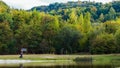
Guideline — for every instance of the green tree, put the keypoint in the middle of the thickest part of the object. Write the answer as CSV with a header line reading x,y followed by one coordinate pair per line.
x,y
86,29
29,36
68,39
103,43
117,40
111,14
86,25
50,27
111,26
6,17
73,17
6,36
80,19
19,17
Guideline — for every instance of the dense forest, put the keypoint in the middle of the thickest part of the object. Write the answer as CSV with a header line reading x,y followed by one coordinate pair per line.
x,y
61,28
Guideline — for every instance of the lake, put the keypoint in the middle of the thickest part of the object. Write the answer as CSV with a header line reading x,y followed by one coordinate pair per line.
x,y
64,64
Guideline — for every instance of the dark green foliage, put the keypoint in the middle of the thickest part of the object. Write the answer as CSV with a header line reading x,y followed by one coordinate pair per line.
x,y
68,40
116,5
5,37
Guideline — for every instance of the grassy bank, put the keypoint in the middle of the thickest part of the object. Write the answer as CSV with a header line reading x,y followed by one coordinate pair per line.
x,y
97,59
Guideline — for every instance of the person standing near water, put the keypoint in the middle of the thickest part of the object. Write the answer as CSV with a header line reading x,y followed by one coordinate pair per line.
x,y
22,50
21,54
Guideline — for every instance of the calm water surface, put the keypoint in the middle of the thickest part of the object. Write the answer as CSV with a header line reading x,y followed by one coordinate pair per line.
x,y
60,65
63,66
69,66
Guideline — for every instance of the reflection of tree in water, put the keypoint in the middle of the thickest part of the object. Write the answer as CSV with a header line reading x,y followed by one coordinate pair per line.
x,y
115,63
81,62
87,61
21,66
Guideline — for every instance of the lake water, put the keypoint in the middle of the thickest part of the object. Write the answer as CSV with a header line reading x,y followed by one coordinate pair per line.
x,y
60,65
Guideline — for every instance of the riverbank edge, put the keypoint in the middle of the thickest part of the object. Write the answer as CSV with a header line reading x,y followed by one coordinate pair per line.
x,y
96,59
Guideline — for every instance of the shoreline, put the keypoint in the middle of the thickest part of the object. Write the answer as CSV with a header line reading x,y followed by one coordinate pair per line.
x,y
97,59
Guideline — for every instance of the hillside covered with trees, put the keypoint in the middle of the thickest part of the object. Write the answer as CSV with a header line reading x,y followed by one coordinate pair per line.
x,y
61,28
99,12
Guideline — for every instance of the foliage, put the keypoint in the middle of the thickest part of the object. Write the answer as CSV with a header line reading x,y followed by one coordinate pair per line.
x,y
68,39
103,43
62,28
110,11
117,39
3,7
5,37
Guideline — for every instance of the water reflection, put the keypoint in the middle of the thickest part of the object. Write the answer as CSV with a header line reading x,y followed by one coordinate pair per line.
x,y
80,64
69,66
84,60
21,66
64,66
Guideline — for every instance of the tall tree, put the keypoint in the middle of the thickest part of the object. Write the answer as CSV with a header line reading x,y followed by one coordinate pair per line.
x,y
73,17
29,36
68,39
50,27
86,25
80,19
6,36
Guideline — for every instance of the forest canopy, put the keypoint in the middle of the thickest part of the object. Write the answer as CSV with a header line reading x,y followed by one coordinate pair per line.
x,y
61,28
